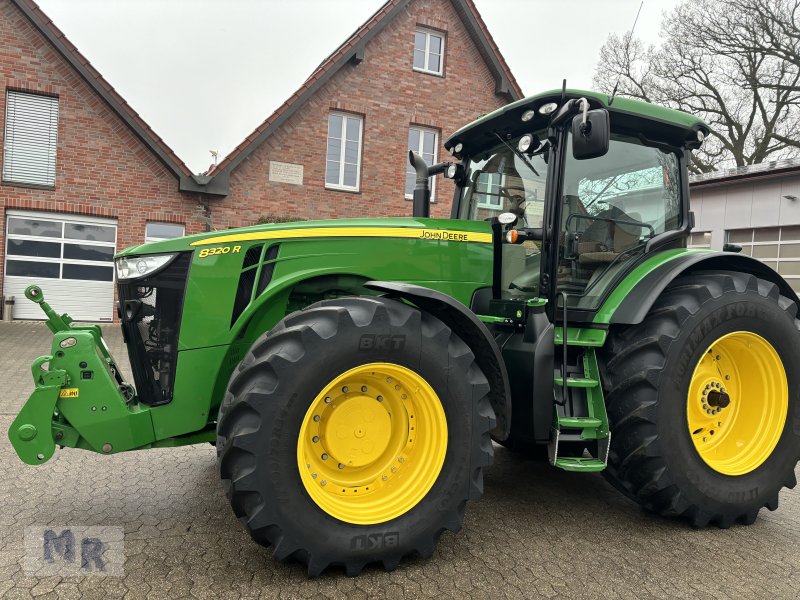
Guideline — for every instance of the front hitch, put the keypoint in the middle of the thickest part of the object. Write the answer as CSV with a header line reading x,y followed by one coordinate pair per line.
x,y
31,432
80,400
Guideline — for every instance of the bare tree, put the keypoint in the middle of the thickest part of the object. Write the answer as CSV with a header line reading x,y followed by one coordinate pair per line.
x,y
734,63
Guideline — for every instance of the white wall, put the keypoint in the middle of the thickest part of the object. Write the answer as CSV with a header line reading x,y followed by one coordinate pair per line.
x,y
742,205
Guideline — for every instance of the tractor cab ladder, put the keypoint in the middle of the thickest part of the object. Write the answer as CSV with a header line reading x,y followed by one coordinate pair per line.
x,y
579,415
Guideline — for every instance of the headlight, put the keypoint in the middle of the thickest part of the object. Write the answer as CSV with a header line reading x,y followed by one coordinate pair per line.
x,y
525,143
133,267
546,109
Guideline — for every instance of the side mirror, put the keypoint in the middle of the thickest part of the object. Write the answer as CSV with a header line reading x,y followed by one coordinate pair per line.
x,y
590,134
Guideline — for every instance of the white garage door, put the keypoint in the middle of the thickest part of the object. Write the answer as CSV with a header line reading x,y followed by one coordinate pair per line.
x,y
70,257
778,247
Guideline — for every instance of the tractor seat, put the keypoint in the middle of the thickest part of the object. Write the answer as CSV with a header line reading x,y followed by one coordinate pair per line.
x,y
623,237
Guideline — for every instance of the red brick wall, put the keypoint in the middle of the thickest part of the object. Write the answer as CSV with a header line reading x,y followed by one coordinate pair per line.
x,y
390,96
102,169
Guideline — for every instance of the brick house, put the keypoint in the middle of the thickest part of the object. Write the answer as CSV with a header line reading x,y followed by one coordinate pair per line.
x,y
415,72
83,175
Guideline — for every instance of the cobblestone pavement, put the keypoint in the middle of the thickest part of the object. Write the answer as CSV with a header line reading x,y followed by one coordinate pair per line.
x,y
537,532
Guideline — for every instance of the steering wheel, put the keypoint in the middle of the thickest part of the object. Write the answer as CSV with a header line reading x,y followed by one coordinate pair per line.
x,y
517,201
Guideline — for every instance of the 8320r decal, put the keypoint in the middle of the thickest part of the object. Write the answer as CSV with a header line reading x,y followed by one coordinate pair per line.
x,y
219,250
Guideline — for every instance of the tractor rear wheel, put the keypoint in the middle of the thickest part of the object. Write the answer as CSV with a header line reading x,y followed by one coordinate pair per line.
x,y
354,432
704,400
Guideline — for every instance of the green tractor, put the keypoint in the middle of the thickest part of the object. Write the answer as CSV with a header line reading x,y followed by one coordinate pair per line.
x,y
354,373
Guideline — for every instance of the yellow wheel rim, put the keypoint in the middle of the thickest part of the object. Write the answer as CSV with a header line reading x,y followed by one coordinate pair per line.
x,y
372,443
737,404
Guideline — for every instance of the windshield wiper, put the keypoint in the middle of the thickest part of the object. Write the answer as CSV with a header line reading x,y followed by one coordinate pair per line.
x,y
519,154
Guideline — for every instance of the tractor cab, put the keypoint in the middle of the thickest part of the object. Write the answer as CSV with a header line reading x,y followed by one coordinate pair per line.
x,y
582,187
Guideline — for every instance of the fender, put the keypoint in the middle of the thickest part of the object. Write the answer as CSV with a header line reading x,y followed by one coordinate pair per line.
x,y
632,307
469,328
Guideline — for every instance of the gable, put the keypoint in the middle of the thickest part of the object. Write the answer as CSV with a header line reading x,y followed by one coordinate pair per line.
x,y
354,51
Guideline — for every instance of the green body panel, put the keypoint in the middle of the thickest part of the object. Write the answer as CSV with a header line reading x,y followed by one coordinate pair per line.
x,y
209,343
624,287
195,400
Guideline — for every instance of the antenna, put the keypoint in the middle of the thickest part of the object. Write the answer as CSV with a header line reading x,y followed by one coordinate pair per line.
x,y
563,92
627,50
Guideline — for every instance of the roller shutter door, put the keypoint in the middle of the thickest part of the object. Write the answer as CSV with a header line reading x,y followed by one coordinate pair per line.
x,y
69,256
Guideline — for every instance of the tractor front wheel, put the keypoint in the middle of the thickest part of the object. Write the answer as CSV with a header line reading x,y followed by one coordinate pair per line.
x,y
704,400
354,432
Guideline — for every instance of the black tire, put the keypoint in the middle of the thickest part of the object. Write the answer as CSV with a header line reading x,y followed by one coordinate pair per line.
x,y
647,372
267,399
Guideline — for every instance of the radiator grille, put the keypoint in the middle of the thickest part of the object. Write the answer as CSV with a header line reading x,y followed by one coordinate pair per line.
x,y
151,314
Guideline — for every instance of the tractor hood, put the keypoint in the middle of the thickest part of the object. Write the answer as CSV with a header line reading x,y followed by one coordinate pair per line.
x,y
434,229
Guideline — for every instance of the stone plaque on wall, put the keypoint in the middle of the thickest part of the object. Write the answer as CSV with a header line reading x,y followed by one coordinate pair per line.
x,y
285,172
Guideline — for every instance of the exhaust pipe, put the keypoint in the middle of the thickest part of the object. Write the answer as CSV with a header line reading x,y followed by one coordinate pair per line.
x,y
422,193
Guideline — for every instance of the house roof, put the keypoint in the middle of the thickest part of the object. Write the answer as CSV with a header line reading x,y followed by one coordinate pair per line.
x,y
107,92
352,50
764,170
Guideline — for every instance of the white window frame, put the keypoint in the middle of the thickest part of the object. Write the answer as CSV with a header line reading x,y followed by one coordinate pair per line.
x,y
409,169
428,33
153,238
29,160
701,246
489,185
341,186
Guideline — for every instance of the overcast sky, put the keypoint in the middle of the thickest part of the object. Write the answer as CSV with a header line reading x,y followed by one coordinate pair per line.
x,y
205,73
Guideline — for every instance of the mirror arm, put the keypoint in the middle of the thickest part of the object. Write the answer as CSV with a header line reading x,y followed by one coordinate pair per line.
x,y
438,168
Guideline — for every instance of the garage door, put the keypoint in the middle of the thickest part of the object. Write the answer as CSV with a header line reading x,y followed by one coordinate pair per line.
x,y
778,247
70,257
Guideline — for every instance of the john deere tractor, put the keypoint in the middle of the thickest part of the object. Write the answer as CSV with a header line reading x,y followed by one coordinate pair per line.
x,y
353,374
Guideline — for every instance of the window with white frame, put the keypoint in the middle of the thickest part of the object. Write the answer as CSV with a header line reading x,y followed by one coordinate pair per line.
x,y
155,232
343,165
777,247
424,142
487,188
428,51
29,151
699,239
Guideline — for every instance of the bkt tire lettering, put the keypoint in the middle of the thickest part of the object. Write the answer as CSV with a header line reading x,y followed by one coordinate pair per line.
x,y
381,342
376,541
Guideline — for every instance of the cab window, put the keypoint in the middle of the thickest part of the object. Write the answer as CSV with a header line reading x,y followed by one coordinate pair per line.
x,y
611,206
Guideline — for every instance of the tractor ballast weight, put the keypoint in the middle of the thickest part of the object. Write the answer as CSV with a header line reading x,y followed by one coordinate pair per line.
x,y
353,373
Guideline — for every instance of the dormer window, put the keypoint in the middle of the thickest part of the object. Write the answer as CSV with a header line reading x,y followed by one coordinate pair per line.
x,y
429,52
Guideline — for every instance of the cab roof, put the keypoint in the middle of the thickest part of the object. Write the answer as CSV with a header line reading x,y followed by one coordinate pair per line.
x,y
654,122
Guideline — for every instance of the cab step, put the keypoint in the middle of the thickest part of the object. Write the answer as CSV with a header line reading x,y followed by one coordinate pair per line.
x,y
577,382
579,422
580,465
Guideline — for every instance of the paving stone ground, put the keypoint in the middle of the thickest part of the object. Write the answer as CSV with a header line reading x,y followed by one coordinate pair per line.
x,y
537,532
